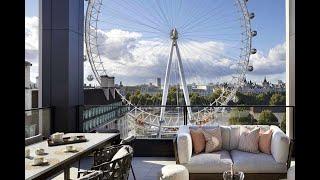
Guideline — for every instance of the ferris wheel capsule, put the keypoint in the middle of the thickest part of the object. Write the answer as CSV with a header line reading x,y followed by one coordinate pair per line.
x,y
250,68
235,99
251,15
90,77
253,51
253,33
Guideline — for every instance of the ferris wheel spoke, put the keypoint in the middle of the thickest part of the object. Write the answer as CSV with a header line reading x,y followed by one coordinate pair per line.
x,y
196,14
204,16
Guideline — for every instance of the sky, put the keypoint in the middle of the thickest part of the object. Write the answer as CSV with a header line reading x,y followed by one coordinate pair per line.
x,y
135,45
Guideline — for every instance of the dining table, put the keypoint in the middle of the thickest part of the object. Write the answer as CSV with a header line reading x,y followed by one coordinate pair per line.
x,y
58,159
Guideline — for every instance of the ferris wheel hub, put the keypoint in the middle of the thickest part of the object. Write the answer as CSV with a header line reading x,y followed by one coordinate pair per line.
x,y
174,34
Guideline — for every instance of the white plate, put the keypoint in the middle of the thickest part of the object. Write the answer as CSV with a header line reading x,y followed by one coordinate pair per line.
x,y
44,162
72,150
40,154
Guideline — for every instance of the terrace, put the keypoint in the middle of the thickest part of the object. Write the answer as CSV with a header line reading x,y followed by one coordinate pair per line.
x,y
64,105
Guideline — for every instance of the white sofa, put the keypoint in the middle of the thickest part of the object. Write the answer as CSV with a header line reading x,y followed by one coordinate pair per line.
x,y
213,164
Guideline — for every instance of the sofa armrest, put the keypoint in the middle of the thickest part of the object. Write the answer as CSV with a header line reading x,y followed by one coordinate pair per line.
x,y
184,144
280,145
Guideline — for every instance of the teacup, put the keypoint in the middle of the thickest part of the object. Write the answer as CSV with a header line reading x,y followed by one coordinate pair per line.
x,y
57,136
69,148
73,138
27,153
39,151
38,160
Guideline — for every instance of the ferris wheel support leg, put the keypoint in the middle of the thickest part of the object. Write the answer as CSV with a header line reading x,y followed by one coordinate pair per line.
x,y
183,81
165,89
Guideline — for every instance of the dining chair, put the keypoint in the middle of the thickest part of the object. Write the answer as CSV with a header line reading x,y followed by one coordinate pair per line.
x,y
115,169
91,175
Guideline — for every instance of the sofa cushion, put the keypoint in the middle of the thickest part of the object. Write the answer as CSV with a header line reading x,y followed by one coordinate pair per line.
x,y
198,140
265,141
216,162
280,143
225,136
256,163
184,144
249,140
213,139
234,137
235,133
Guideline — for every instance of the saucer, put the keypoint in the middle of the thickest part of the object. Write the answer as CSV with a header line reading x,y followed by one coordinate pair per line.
x,y
45,162
42,154
72,150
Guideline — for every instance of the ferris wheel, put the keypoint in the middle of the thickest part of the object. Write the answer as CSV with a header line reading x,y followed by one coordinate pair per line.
x,y
183,41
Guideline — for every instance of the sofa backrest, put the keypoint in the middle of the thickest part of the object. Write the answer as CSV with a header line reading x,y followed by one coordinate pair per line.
x,y
230,134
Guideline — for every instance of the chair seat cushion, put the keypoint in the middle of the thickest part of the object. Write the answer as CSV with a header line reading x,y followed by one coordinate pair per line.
x,y
215,162
256,163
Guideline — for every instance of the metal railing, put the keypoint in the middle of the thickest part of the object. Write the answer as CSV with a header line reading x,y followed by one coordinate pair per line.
x,y
38,121
96,116
144,121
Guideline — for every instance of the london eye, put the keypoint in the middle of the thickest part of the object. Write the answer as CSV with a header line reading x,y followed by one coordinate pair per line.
x,y
182,41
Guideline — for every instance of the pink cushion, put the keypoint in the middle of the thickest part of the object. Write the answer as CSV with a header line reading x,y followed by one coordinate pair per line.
x,y
198,140
265,141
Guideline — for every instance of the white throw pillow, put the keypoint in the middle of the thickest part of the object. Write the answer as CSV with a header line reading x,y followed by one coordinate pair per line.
x,y
280,144
121,153
249,140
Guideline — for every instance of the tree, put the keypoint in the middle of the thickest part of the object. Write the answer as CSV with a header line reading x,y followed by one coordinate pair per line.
x,y
262,99
196,99
134,99
241,117
266,117
216,93
277,99
172,96
128,95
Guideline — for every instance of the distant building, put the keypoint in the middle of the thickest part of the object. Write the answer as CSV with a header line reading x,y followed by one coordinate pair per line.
x,y
254,88
31,89
104,108
31,101
159,82
107,81
27,66
265,83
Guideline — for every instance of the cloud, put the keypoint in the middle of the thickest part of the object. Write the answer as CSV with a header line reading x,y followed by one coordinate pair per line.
x,y
32,45
272,63
134,59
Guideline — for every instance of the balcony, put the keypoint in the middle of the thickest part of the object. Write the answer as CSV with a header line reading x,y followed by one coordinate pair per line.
x,y
130,120
62,31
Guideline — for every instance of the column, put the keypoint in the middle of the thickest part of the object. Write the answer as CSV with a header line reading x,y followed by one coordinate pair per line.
x,y
61,61
290,64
